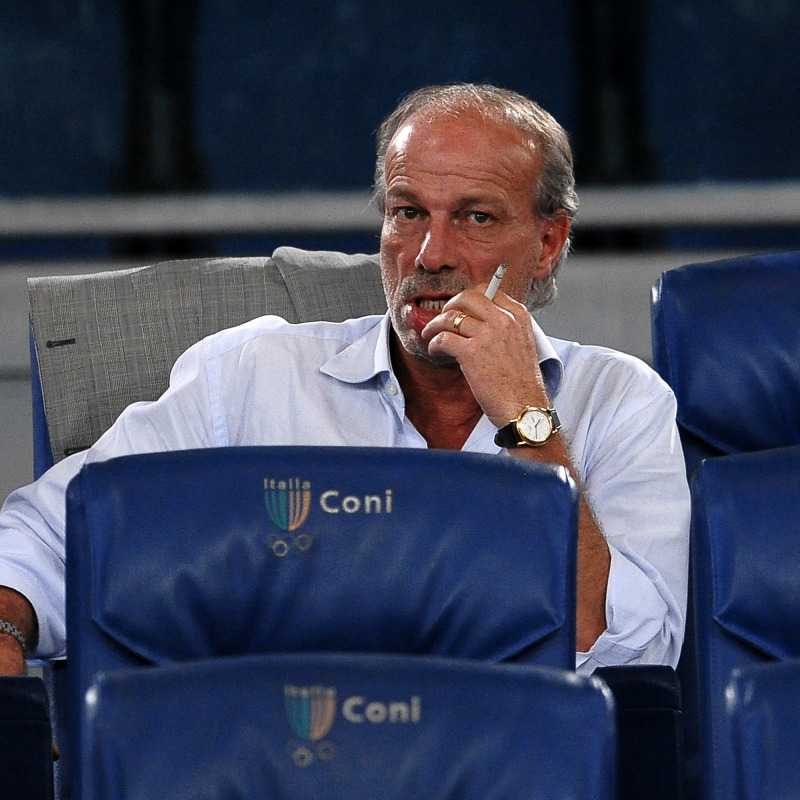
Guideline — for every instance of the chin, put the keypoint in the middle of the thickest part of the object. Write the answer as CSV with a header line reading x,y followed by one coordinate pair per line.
x,y
415,347
421,353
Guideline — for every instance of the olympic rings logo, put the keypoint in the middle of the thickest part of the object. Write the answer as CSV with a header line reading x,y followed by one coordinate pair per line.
x,y
282,546
304,755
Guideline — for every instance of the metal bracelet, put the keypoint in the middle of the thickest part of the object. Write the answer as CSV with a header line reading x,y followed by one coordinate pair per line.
x,y
13,630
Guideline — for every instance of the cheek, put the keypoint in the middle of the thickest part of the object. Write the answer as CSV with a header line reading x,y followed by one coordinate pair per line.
x,y
389,273
397,261
518,289
389,286
401,239
390,240
518,284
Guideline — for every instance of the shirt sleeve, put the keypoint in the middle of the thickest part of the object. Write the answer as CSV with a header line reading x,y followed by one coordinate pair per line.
x,y
635,482
32,521
32,546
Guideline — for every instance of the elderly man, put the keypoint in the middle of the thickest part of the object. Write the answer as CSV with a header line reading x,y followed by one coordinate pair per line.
x,y
468,178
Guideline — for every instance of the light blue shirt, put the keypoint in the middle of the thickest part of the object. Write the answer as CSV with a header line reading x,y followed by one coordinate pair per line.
x,y
269,382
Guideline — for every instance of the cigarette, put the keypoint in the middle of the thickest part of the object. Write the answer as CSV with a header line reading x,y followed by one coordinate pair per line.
x,y
496,280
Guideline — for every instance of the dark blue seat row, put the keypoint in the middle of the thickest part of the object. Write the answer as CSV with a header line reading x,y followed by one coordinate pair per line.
x,y
726,337
349,727
189,555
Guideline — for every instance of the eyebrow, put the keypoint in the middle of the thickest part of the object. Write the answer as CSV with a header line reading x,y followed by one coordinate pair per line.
x,y
467,201
478,200
402,194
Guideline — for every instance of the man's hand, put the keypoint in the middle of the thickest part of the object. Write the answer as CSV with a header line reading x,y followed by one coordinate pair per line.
x,y
495,347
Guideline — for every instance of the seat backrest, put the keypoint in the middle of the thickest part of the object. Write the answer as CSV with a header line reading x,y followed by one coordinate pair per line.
x,y
763,708
726,339
746,552
348,727
26,739
226,551
649,720
101,342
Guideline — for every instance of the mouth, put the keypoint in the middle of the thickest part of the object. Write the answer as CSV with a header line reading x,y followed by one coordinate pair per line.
x,y
419,311
431,305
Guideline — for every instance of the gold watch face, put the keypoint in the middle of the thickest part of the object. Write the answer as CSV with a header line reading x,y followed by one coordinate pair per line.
x,y
535,426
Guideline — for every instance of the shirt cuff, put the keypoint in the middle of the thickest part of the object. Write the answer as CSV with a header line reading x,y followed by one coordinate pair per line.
x,y
638,619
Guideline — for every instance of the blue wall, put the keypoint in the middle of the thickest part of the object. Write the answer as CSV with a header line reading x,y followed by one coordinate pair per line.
x,y
113,96
283,95
61,97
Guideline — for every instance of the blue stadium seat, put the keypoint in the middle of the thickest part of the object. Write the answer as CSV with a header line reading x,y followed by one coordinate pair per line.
x,y
348,727
763,706
725,338
207,553
746,552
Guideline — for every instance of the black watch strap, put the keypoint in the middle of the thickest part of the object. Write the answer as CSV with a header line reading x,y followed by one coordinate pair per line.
x,y
507,436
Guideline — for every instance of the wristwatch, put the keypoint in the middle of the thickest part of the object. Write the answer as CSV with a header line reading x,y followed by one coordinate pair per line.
x,y
532,428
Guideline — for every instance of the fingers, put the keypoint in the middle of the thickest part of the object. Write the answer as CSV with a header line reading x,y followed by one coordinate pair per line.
x,y
460,317
467,313
494,344
453,323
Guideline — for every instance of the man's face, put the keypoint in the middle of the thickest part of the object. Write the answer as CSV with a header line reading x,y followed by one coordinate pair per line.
x,y
458,204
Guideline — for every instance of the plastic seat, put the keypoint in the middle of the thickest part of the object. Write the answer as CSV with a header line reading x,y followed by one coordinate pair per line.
x,y
746,551
347,727
198,554
725,338
763,706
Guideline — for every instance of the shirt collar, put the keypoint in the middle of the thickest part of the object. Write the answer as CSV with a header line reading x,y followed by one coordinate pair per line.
x,y
368,356
549,362
363,359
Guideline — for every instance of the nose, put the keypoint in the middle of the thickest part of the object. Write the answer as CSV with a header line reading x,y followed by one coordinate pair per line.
x,y
439,248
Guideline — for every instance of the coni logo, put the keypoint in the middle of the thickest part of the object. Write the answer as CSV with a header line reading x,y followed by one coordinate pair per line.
x,y
288,503
311,712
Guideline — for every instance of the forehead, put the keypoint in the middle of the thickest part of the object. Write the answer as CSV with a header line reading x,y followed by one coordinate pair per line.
x,y
467,147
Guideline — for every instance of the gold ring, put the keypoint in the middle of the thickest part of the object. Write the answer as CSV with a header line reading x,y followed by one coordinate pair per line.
x,y
457,322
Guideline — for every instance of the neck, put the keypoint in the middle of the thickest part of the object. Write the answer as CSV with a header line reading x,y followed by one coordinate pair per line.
x,y
439,402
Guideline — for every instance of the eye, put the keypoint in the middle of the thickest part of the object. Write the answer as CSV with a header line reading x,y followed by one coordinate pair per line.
x,y
480,217
404,213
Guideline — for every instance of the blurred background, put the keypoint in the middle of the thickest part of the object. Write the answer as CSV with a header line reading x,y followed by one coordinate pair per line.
x,y
132,131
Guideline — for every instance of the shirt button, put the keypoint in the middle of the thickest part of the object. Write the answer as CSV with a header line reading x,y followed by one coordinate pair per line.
x,y
393,388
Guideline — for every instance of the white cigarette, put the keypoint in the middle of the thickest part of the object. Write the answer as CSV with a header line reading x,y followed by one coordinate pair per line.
x,y
494,284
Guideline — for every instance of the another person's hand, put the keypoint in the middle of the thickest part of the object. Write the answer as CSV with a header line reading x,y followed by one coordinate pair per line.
x,y
17,612
12,657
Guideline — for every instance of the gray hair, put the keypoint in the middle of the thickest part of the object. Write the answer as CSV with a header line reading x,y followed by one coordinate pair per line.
x,y
554,195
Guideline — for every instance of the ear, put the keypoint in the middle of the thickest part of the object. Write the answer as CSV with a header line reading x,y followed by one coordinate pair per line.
x,y
553,234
